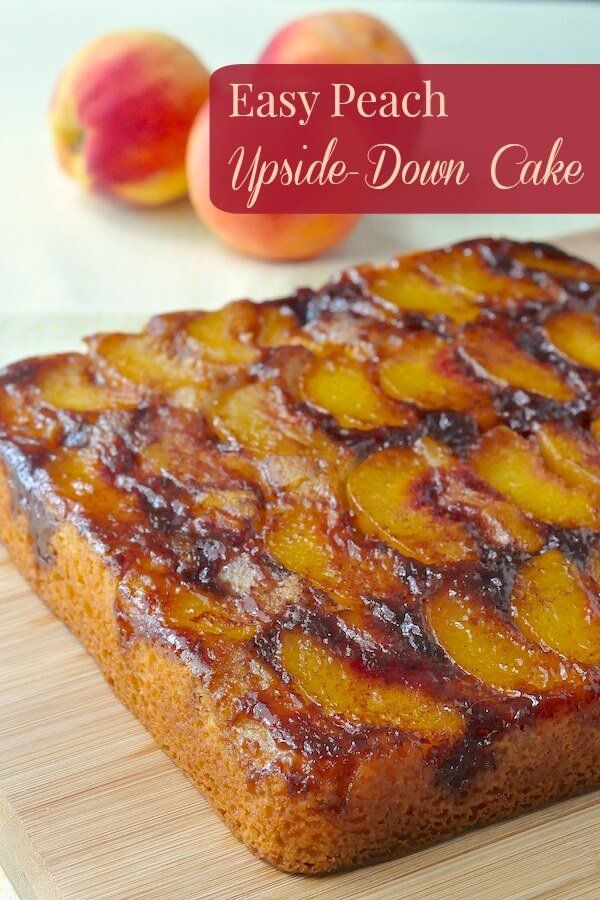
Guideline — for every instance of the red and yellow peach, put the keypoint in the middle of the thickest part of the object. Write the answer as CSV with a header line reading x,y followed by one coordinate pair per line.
x,y
122,112
336,37
275,236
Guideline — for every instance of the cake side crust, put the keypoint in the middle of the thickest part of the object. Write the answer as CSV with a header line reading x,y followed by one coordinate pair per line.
x,y
394,805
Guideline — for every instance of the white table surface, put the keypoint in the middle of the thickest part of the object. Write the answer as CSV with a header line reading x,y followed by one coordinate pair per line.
x,y
71,264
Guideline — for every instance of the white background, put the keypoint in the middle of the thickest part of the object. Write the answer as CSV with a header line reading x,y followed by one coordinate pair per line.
x,y
71,264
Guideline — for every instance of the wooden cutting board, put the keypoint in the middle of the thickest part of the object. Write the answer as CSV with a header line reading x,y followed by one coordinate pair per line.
x,y
91,808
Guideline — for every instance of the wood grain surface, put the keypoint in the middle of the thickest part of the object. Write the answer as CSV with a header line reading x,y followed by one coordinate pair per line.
x,y
91,809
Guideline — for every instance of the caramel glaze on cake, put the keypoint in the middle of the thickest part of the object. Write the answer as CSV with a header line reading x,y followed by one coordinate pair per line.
x,y
339,552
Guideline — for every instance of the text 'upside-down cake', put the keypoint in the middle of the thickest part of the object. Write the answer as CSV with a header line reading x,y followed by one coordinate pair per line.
x,y
339,552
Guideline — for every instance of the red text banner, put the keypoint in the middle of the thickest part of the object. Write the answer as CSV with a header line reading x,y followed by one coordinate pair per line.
x,y
405,138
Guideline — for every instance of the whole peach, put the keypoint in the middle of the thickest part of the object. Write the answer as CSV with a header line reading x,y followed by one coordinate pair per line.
x,y
121,114
277,236
336,37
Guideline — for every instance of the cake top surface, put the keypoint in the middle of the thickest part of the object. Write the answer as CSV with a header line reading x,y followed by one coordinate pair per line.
x,y
367,516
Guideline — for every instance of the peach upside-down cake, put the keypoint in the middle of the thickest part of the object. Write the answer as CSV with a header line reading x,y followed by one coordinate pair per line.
x,y
339,552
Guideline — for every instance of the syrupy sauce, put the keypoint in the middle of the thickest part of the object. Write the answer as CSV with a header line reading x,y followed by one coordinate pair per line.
x,y
189,506
25,497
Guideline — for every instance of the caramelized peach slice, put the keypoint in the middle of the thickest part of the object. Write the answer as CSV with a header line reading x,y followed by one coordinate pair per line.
x,y
417,291
227,335
577,335
257,417
340,690
495,355
231,508
553,605
77,475
388,493
465,267
228,506
425,371
485,645
499,520
572,454
19,417
70,383
514,467
278,326
204,614
144,360
196,611
561,267
343,388
298,538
